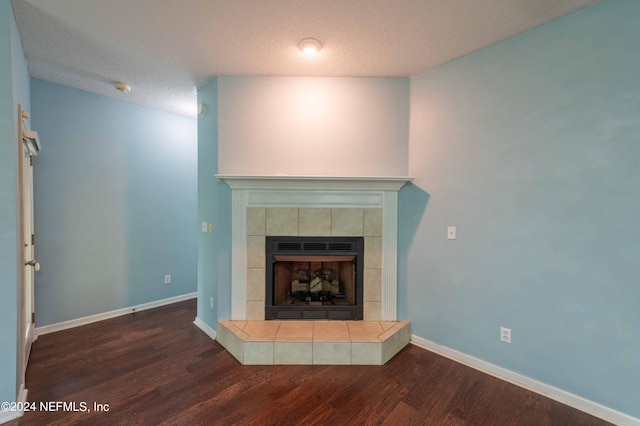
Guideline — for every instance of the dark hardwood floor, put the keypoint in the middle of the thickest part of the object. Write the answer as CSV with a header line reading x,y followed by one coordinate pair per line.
x,y
155,367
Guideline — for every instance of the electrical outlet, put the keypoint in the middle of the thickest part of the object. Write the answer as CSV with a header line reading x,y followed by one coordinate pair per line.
x,y
167,279
451,232
211,302
505,334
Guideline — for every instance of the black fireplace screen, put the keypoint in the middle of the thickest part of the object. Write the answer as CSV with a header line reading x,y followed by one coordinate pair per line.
x,y
314,278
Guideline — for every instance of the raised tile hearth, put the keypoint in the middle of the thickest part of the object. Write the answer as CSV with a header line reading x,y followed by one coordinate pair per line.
x,y
313,342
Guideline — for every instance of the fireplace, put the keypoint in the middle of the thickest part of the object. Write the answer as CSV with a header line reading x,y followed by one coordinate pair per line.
x,y
313,206
314,278
276,208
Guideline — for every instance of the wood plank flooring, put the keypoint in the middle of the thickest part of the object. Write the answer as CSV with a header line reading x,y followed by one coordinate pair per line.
x,y
155,367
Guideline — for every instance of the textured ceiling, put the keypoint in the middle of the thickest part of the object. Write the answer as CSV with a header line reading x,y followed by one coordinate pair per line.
x,y
165,48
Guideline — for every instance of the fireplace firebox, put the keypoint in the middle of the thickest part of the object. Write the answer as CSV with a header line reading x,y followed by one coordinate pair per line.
x,y
314,278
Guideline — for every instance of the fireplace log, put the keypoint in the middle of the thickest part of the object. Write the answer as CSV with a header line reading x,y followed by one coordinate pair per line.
x,y
316,285
297,287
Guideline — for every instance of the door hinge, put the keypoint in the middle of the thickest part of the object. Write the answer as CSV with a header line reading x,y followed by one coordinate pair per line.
x,y
31,160
33,317
33,239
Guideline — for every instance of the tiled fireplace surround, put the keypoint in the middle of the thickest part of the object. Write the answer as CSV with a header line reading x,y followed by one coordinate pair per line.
x,y
313,206
314,222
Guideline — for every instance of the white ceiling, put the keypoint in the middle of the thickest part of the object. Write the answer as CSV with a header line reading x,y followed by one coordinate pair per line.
x,y
166,48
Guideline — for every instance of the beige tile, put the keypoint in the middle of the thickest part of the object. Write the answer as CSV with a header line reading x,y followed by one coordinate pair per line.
x,y
364,331
255,221
258,353
292,353
294,339
295,331
366,353
281,221
314,222
332,353
255,252
372,285
255,310
347,222
229,323
262,330
233,344
222,334
372,311
398,326
372,222
256,284
395,343
386,325
234,328
331,331
373,252
239,324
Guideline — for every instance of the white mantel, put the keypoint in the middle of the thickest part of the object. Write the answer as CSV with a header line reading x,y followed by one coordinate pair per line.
x,y
371,183
314,192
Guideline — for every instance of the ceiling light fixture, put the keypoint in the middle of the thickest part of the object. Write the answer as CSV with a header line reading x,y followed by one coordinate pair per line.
x,y
122,87
310,46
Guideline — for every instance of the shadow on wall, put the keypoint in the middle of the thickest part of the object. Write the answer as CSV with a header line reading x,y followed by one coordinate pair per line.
x,y
412,202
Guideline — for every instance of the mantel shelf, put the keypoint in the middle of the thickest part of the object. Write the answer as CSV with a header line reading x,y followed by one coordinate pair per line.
x,y
285,182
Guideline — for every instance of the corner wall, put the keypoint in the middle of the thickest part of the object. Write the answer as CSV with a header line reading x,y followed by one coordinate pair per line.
x,y
115,203
214,206
530,147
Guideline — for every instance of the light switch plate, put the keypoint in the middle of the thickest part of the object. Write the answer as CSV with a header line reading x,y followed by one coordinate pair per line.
x,y
203,226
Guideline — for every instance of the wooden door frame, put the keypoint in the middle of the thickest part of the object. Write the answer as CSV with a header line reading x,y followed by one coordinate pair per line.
x,y
22,241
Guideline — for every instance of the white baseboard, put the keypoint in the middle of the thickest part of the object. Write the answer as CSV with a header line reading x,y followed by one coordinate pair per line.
x,y
111,314
575,401
22,396
204,327
7,416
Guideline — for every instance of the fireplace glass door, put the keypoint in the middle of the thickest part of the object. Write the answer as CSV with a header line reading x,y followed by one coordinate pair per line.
x,y
314,278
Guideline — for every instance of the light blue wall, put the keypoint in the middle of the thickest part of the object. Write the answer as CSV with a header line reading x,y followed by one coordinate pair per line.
x,y
8,219
214,206
531,148
14,89
116,203
20,71
207,190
